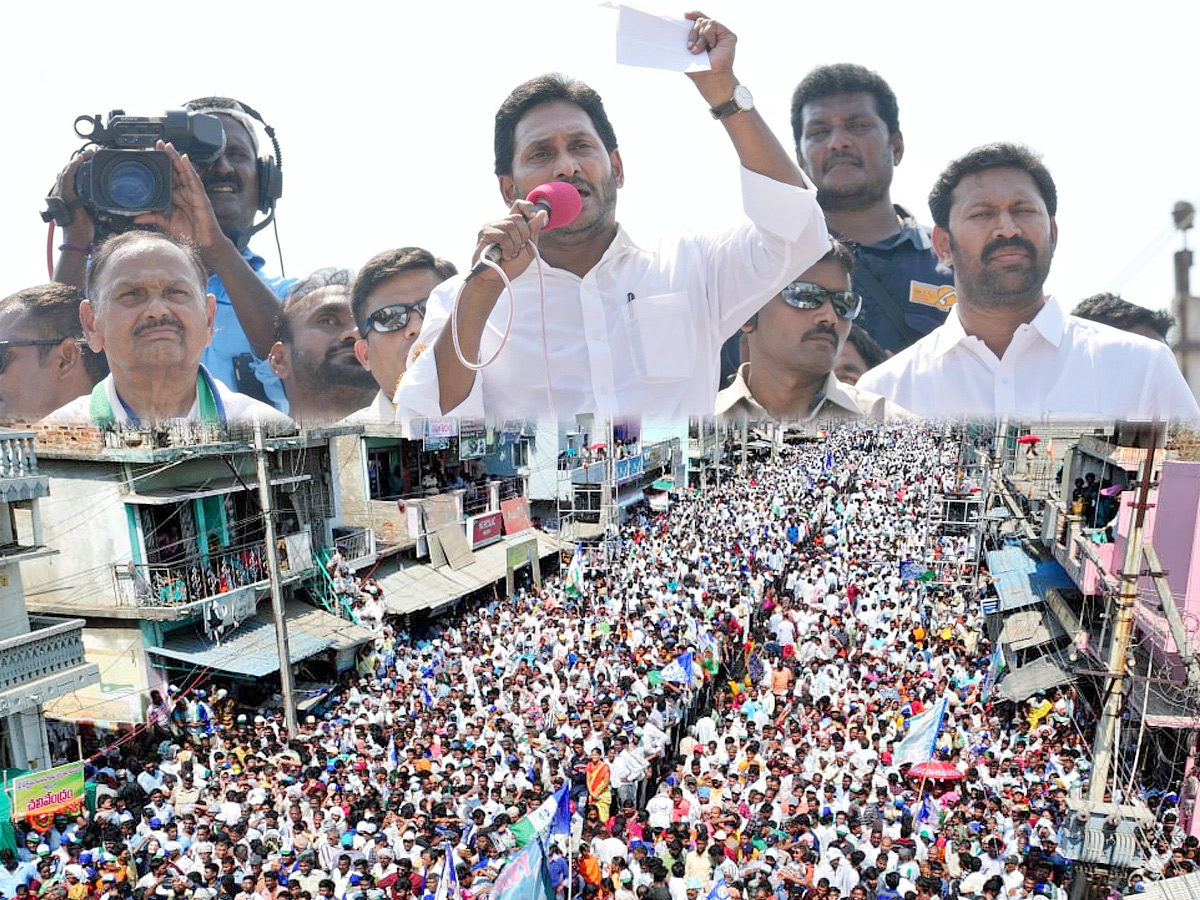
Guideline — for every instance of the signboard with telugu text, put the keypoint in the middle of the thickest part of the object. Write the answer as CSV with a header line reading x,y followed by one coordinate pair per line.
x,y
48,792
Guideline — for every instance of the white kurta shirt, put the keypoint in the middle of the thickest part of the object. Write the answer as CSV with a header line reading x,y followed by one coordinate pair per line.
x,y
641,332
1057,367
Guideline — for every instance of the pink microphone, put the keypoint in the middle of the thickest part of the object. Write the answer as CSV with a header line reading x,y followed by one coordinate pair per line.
x,y
562,203
560,200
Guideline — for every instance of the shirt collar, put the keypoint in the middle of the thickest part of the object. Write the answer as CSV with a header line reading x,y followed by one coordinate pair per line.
x,y
1050,322
911,232
737,398
835,392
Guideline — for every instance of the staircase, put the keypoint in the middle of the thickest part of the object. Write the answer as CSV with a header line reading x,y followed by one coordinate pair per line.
x,y
321,589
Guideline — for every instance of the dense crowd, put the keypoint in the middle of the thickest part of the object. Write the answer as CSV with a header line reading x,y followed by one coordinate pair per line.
x,y
723,693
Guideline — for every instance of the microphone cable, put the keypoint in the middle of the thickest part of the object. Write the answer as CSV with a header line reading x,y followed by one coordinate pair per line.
x,y
512,307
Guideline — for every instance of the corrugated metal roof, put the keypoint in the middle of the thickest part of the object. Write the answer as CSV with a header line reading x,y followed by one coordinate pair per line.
x,y
423,587
251,649
1029,628
1039,675
1010,569
1181,887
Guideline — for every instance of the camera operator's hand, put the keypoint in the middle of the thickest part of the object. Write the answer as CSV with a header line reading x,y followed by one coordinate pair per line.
x,y
191,214
80,232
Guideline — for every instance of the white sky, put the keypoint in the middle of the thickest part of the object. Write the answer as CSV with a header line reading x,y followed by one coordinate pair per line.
x,y
384,111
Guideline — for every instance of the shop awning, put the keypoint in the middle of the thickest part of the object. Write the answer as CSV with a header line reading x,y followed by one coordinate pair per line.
x,y
1028,628
423,587
1039,675
664,484
1020,581
214,487
251,649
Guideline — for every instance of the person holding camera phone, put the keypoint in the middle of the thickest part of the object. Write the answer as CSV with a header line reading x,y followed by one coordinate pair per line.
x,y
214,207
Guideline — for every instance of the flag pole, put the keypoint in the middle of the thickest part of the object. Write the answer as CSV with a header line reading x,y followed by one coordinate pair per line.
x,y
570,868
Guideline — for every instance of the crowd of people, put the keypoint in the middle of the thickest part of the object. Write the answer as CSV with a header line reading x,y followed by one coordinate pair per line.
x,y
722,690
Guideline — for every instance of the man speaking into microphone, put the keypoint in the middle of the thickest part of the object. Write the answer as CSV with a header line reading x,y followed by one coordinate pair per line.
x,y
624,329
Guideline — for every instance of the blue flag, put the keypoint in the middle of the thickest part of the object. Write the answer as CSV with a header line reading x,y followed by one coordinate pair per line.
x,y
679,670
525,877
448,888
392,757
719,890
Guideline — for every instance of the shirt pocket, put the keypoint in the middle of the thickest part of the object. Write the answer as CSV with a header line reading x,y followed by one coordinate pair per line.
x,y
661,339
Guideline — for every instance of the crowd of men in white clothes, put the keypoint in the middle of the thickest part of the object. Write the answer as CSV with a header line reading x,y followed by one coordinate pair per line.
x,y
768,768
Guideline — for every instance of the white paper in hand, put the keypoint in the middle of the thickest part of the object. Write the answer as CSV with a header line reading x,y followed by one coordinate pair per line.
x,y
655,42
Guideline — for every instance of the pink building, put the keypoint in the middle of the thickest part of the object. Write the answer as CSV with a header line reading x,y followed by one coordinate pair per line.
x,y
1167,707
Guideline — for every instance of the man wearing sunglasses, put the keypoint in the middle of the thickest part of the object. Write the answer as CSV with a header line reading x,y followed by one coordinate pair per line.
x,y
44,362
794,342
388,302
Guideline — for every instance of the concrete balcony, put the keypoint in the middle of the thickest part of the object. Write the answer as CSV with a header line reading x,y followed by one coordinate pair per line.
x,y
184,590
19,478
44,664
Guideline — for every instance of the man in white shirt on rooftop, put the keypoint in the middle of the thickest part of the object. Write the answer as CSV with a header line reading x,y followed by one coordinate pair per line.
x,y
628,330
1007,350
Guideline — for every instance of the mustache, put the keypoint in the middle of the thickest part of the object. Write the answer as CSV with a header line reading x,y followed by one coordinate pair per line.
x,y
213,181
821,329
1012,243
579,182
338,348
832,160
170,321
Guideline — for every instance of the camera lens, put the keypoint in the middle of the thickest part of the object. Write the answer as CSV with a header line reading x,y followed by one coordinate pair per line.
x,y
132,184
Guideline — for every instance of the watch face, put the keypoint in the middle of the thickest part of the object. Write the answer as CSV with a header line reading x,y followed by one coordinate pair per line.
x,y
743,98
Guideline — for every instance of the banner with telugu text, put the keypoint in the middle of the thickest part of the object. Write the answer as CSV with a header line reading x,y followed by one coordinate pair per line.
x,y
48,792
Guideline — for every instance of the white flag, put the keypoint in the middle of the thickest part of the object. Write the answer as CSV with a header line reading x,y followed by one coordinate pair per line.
x,y
921,736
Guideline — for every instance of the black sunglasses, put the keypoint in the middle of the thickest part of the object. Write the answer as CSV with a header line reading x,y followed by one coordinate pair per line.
x,y
392,318
806,295
44,342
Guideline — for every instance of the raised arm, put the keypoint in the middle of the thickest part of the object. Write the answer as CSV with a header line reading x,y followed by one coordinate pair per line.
x,y
756,145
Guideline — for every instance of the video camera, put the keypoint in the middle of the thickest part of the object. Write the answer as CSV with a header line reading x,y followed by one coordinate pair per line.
x,y
127,176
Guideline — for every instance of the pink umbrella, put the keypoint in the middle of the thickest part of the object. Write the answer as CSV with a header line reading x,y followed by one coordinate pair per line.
x,y
935,770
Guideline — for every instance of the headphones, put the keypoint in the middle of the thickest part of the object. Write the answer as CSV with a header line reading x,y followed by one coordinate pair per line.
x,y
269,168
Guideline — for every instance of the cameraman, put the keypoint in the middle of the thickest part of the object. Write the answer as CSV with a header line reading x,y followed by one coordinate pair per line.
x,y
214,208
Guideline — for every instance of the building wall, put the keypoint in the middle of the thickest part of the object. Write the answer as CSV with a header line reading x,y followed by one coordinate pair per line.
x,y
1175,536
1171,527
14,620
84,519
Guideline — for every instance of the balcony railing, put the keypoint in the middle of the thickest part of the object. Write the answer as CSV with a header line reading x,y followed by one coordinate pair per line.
x,y
53,646
194,580
512,486
475,499
17,459
357,545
